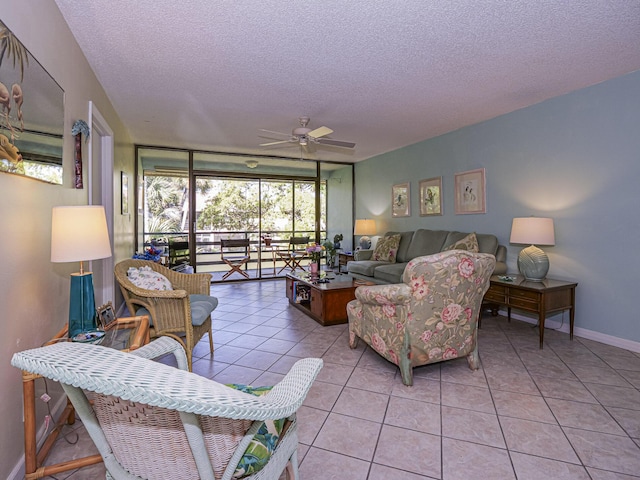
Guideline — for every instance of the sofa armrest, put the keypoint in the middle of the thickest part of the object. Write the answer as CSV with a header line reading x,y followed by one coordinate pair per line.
x,y
362,255
395,294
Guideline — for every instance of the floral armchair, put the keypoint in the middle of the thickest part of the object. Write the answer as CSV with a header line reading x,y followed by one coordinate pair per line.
x,y
431,317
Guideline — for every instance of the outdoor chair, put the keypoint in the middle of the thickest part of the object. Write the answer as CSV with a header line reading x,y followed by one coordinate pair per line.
x,y
235,253
294,254
431,317
182,312
153,421
178,252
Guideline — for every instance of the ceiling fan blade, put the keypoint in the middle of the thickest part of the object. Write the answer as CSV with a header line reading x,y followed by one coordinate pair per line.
x,y
275,143
277,133
320,132
337,143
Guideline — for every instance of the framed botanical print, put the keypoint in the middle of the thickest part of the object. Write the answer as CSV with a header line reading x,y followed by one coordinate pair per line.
x,y
431,196
401,200
470,192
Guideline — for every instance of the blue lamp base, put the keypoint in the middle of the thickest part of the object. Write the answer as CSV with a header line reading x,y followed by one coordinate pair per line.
x,y
82,304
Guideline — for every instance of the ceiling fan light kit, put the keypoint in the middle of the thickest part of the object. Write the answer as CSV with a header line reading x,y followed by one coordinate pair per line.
x,y
303,135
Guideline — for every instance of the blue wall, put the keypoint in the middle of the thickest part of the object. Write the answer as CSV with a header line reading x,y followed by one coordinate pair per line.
x,y
575,158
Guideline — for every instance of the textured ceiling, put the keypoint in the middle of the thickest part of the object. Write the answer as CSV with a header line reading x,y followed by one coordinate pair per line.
x,y
384,74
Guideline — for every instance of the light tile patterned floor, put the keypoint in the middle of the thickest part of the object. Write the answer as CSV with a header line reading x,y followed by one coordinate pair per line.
x,y
569,411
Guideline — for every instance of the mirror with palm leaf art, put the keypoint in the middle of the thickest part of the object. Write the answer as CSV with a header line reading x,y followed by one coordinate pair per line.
x,y
31,114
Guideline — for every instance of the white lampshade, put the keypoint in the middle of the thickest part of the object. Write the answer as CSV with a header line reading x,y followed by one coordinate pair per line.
x,y
365,226
79,233
533,263
533,231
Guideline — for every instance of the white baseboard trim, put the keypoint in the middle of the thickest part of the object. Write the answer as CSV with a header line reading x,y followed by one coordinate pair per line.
x,y
580,332
18,472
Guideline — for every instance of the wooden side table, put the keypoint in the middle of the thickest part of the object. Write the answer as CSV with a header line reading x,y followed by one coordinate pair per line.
x,y
126,334
544,297
343,259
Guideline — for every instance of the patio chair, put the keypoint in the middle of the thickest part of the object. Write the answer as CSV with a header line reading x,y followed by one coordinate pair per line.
x,y
183,313
154,421
294,254
431,317
178,252
235,253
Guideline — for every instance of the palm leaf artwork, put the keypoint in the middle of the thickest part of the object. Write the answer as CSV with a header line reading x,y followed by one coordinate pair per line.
x,y
13,49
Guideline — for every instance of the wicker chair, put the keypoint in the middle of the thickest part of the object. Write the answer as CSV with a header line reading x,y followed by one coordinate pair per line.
x,y
153,421
171,311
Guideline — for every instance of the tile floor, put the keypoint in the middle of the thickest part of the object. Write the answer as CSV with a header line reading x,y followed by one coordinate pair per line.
x,y
570,411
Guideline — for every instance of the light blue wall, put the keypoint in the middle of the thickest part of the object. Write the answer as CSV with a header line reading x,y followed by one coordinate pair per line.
x,y
575,158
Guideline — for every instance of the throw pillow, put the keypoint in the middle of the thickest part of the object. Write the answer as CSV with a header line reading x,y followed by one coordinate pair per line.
x,y
468,243
147,278
264,442
386,249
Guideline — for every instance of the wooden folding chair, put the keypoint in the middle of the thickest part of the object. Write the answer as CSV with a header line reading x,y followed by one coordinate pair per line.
x,y
295,253
235,253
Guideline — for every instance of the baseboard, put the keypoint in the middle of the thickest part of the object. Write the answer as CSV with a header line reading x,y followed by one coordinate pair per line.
x,y
580,332
18,471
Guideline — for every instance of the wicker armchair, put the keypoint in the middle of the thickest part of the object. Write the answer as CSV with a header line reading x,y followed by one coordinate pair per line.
x,y
153,421
175,313
431,317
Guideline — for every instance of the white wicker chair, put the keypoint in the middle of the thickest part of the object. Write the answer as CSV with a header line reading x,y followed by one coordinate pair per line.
x,y
154,421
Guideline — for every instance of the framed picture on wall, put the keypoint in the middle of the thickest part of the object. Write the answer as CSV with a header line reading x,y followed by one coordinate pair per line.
x,y
470,192
401,200
124,183
431,196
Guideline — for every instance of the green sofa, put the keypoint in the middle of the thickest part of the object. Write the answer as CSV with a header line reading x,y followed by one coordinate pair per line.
x,y
419,243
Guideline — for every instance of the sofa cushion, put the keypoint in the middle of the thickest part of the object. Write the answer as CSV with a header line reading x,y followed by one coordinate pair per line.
x,y
426,242
364,267
487,243
468,243
391,273
405,240
386,249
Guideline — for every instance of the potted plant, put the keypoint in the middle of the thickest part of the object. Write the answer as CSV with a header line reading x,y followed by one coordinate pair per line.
x,y
337,238
266,238
331,252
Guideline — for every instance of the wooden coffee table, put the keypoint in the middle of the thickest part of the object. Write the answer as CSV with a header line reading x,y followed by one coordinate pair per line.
x,y
326,303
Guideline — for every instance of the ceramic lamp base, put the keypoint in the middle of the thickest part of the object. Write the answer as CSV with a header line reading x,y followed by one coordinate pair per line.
x,y
82,304
365,242
533,264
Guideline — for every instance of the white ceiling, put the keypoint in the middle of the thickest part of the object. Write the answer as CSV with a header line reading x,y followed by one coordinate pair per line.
x,y
209,74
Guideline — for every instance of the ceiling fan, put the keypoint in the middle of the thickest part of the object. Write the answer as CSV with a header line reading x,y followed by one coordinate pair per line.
x,y
303,136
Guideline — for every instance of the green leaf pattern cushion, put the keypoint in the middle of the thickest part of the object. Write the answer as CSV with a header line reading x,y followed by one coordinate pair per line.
x,y
147,278
468,243
264,442
386,249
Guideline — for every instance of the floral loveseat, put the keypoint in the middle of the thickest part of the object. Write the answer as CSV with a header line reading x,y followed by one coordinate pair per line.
x,y
369,265
431,317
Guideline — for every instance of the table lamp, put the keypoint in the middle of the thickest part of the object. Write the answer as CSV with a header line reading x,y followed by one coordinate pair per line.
x,y
79,234
533,263
365,227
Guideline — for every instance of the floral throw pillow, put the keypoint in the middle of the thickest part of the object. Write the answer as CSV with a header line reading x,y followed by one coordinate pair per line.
x,y
386,249
468,243
149,279
263,443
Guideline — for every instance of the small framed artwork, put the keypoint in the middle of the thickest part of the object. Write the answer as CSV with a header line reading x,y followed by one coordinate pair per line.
x,y
431,196
124,183
106,316
470,192
401,200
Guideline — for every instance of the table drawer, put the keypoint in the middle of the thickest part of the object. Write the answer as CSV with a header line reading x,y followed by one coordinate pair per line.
x,y
524,295
496,293
524,303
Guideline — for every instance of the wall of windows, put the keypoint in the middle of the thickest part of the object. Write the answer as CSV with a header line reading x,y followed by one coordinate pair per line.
x,y
235,196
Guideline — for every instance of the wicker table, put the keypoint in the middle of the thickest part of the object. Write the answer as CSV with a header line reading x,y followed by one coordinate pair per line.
x,y
127,333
